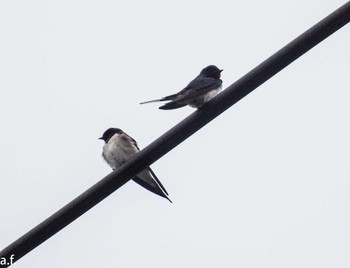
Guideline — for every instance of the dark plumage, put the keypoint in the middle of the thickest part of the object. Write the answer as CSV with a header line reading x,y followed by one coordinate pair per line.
x,y
200,90
119,147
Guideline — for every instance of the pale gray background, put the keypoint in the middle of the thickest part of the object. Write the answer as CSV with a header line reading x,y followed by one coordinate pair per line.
x,y
267,184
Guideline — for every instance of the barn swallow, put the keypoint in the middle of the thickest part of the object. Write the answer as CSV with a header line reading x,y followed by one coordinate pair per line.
x,y
200,90
119,147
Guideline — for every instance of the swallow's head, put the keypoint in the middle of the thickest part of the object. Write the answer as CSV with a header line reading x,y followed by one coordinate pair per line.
x,y
211,71
109,133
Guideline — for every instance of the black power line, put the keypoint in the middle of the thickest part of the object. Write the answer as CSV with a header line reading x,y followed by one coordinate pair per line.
x,y
177,134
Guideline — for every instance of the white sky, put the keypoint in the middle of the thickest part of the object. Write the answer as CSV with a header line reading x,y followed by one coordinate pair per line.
x,y
267,184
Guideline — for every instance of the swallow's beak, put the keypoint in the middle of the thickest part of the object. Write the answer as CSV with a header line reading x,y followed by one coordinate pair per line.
x,y
221,70
100,138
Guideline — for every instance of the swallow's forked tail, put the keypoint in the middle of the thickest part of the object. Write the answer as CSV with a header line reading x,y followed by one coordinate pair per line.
x,y
152,101
167,98
149,181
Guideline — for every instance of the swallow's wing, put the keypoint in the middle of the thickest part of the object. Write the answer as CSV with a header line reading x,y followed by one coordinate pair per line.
x,y
197,87
172,105
133,142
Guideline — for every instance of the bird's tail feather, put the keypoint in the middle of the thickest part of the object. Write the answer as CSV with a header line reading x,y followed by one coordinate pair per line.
x,y
151,101
152,184
157,180
170,97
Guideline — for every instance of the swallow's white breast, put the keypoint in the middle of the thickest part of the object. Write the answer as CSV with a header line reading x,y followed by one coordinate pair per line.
x,y
196,103
118,150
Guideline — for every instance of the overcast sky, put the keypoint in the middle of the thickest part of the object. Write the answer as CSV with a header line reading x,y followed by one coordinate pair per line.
x,y
266,184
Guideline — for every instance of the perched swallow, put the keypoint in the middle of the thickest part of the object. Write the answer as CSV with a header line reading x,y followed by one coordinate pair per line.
x,y
119,147
200,90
